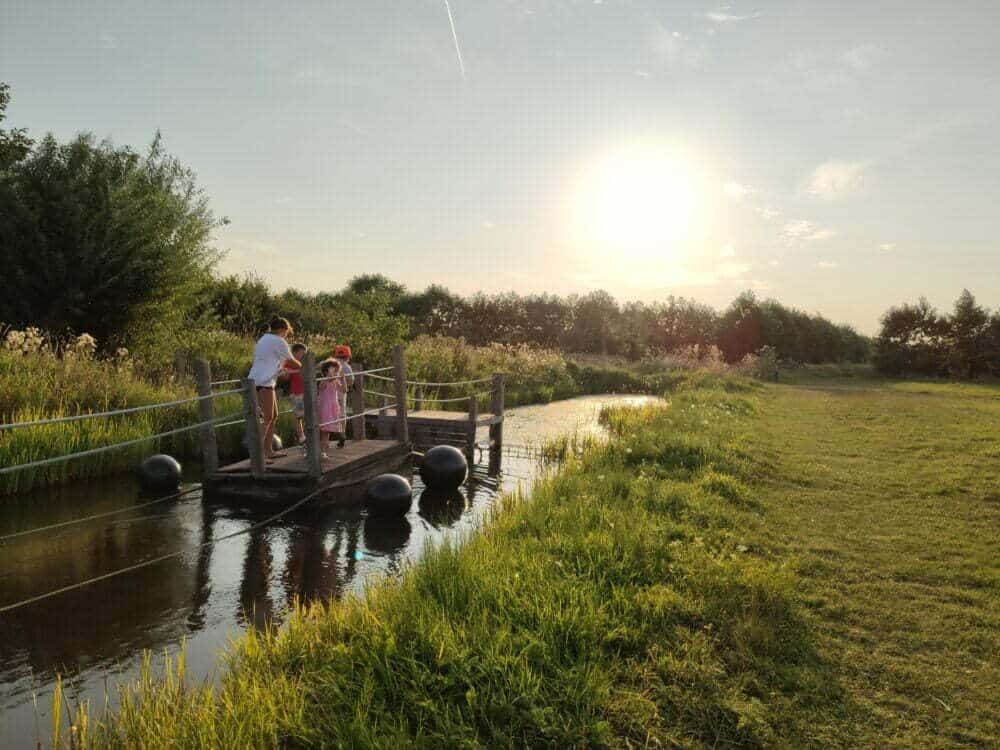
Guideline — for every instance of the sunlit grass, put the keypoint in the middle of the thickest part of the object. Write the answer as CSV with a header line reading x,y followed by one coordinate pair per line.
x,y
623,603
741,566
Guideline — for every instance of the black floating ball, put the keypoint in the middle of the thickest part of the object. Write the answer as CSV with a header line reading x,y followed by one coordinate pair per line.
x,y
388,495
160,473
442,508
443,467
276,444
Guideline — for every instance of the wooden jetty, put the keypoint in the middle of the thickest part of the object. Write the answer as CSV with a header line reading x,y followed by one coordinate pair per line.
x,y
396,429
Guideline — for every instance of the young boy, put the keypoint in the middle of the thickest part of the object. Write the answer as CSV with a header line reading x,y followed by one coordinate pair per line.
x,y
296,393
270,356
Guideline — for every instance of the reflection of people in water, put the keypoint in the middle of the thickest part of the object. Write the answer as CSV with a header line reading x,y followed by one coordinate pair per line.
x,y
320,561
255,599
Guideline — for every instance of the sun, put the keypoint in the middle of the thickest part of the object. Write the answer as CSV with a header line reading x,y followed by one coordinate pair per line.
x,y
639,202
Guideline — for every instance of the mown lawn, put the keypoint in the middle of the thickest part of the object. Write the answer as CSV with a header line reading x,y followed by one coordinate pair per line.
x,y
889,495
749,566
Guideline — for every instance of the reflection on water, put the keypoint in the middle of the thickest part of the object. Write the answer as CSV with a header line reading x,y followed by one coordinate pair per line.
x,y
95,636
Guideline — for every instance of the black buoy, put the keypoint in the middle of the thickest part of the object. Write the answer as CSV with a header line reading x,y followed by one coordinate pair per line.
x,y
159,473
442,508
388,495
276,444
443,467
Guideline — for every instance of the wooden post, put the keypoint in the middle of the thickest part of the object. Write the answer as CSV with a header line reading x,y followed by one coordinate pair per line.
x,y
254,446
470,452
399,381
496,406
358,406
180,364
206,412
418,398
314,465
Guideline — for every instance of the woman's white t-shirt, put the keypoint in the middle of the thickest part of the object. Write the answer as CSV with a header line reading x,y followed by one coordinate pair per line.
x,y
269,355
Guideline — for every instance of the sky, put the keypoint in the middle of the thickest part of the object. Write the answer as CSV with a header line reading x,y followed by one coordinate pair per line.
x,y
839,157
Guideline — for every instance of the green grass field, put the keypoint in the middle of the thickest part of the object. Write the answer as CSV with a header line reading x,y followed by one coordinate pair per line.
x,y
748,566
889,497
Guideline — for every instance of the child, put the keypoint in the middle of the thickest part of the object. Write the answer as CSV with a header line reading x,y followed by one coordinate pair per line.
x,y
296,393
343,355
329,403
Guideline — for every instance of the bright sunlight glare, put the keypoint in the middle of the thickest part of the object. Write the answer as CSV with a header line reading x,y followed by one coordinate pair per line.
x,y
639,202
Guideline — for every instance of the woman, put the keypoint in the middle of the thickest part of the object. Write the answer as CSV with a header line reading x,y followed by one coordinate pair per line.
x,y
271,355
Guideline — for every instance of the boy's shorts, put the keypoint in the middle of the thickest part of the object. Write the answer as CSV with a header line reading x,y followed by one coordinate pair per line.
x,y
298,404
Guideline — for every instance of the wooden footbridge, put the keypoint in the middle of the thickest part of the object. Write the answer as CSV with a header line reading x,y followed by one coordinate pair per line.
x,y
382,438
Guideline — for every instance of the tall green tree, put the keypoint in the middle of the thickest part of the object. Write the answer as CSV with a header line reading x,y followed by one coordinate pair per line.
x,y
967,335
740,328
100,239
912,341
14,143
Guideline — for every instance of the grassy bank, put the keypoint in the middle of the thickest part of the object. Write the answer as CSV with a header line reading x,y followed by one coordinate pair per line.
x,y
623,603
749,566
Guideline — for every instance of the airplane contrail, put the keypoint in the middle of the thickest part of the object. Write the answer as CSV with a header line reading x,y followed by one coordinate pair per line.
x,y
454,35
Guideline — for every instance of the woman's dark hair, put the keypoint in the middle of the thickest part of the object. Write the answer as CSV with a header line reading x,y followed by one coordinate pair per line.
x,y
279,324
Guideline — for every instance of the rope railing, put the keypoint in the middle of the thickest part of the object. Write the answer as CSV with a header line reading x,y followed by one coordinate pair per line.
x,y
378,393
439,385
352,416
458,398
95,516
114,412
114,446
225,382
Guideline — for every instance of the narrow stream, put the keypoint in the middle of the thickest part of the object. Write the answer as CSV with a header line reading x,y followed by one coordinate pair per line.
x,y
95,637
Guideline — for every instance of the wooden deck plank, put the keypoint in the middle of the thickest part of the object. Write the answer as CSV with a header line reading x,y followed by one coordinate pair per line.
x,y
294,463
345,470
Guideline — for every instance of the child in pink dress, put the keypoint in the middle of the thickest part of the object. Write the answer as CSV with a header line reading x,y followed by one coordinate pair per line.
x,y
330,424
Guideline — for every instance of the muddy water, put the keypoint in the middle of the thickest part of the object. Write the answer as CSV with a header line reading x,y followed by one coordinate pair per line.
x,y
95,637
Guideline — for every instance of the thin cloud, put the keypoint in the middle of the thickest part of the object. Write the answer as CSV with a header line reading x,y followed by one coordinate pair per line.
x,y
728,251
802,230
887,247
833,179
723,17
767,213
827,264
821,234
735,190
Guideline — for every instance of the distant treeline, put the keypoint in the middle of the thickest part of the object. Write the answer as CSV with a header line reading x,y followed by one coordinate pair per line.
x,y
592,323
917,340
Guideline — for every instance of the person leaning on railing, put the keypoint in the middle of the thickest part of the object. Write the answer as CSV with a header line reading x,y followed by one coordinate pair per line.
x,y
271,355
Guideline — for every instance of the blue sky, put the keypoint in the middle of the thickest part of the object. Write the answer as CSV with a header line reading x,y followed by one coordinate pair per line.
x,y
840,157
